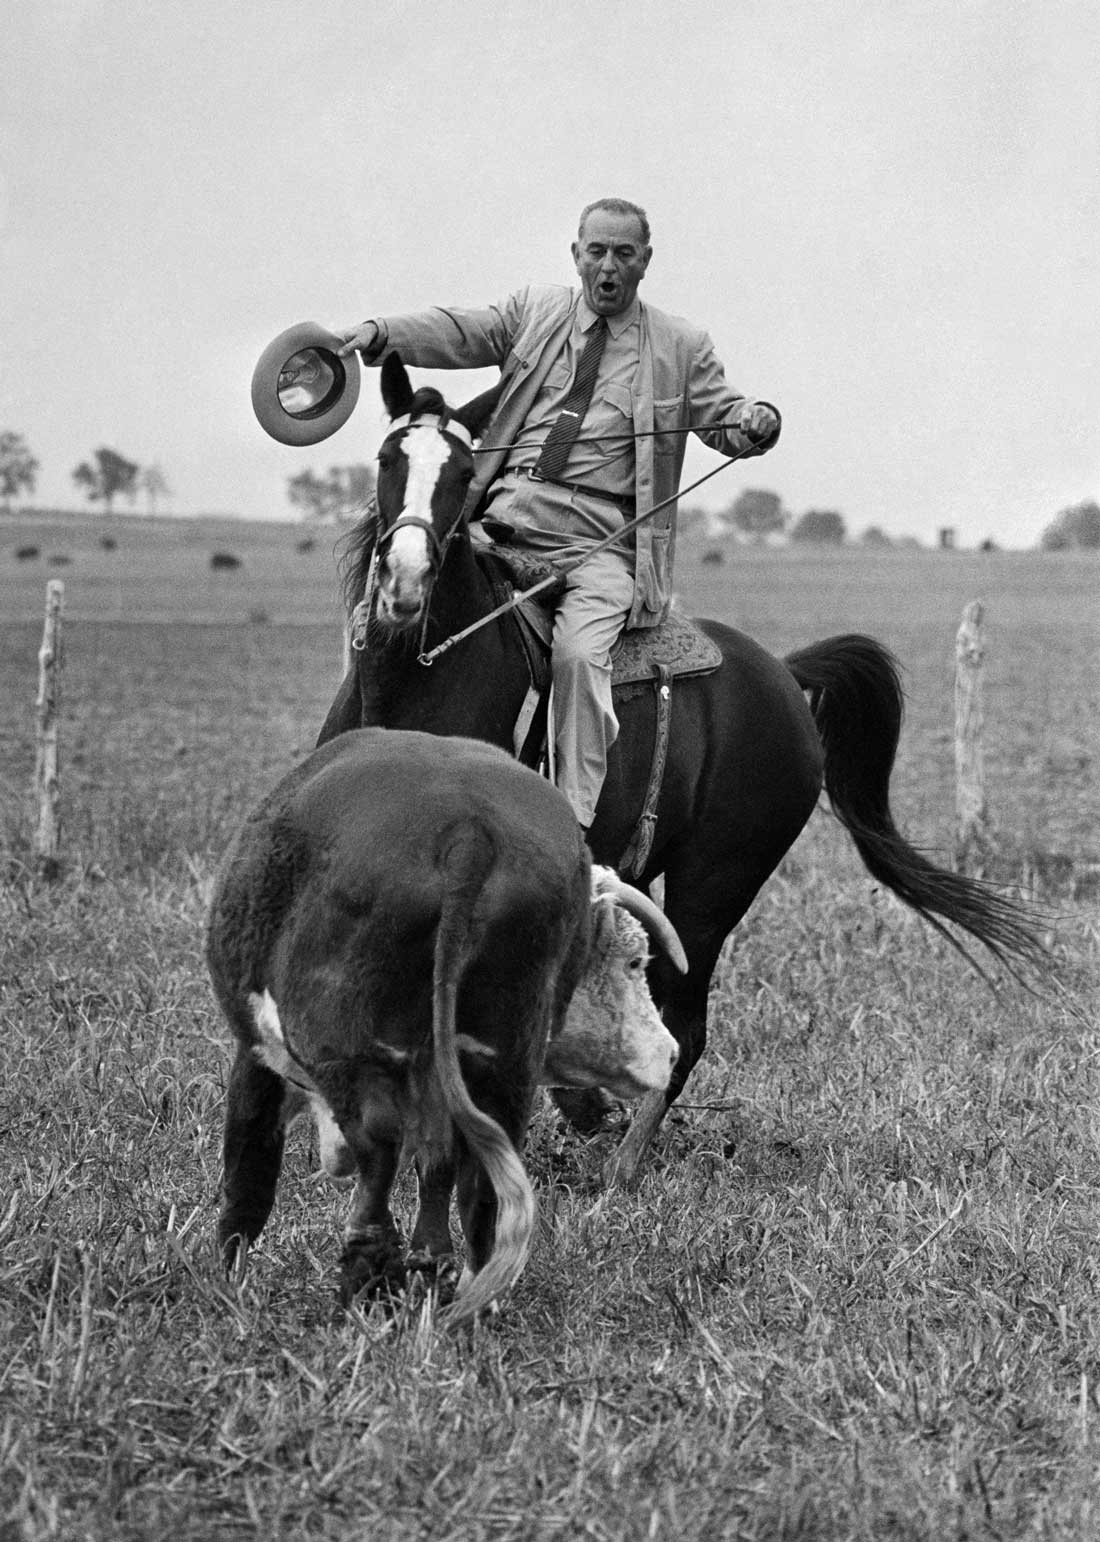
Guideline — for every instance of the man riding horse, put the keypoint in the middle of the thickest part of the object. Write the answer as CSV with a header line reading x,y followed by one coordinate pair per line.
x,y
597,391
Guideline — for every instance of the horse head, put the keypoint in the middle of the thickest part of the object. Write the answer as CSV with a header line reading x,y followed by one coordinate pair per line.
x,y
425,466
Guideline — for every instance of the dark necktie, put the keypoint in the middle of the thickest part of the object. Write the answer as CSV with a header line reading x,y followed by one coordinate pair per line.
x,y
567,424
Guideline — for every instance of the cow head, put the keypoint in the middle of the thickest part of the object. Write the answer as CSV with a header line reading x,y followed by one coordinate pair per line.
x,y
613,1035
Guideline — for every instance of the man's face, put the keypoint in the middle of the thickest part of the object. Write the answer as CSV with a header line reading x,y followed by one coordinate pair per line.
x,y
610,260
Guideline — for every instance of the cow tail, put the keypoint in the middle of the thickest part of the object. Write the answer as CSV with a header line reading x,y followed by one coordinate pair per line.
x,y
467,862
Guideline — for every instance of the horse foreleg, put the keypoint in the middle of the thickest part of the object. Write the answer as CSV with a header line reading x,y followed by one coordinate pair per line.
x,y
683,1004
623,1164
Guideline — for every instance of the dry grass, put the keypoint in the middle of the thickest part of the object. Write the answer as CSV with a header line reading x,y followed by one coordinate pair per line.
x,y
854,1296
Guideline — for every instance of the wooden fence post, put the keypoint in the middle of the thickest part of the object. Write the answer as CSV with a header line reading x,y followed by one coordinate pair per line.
x,y
972,827
47,779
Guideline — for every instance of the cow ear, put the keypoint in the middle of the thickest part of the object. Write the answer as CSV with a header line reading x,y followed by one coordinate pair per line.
x,y
397,391
474,415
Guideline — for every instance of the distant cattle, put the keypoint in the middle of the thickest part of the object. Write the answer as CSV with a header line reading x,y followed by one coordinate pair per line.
x,y
224,561
26,553
108,542
408,938
306,544
59,559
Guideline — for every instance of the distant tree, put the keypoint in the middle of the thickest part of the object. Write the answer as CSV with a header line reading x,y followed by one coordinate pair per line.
x,y
154,484
691,518
1079,525
18,467
873,536
822,525
341,494
111,474
757,512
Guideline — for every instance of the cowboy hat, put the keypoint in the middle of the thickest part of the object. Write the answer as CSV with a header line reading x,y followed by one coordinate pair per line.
x,y
301,391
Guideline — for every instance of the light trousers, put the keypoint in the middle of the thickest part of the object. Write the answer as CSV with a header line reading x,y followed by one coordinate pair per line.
x,y
553,523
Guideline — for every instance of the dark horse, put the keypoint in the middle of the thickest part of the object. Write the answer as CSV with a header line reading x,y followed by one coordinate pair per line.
x,y
748,755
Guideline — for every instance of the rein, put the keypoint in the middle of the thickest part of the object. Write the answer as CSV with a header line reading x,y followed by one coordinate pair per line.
x,y
361,614
427,659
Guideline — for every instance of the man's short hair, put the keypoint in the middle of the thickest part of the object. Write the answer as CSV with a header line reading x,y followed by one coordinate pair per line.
x,y
616,206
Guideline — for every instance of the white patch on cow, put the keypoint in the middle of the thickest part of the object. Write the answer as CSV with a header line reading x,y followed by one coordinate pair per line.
x,y
266,1016
469,1046
336,1158
271,1051
388,1052
427,452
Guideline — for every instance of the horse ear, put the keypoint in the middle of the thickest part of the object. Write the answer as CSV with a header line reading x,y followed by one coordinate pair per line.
x,y
474,416
397,391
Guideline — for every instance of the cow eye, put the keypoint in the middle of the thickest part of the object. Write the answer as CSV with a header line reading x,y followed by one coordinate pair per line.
x,y
636,963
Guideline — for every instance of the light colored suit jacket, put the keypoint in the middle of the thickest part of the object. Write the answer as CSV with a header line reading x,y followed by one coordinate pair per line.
x,y
679,382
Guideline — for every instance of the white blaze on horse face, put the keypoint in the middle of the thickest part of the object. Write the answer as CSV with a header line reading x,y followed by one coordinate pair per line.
x,y
408,560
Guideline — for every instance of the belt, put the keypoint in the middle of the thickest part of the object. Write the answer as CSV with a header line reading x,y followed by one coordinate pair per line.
x,y
623,501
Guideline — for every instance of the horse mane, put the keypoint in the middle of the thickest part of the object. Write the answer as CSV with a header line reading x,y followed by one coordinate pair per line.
x,y
358,544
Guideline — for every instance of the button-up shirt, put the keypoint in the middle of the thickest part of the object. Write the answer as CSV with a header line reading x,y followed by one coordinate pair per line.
x,y
609,461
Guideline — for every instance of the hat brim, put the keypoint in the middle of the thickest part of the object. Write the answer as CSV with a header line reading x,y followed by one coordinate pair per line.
x,y
321,414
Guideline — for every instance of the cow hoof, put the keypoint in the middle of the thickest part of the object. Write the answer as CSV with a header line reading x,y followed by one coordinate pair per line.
x,y
371,1267
428,1272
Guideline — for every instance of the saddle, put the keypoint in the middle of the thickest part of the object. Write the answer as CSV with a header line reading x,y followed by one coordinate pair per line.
x,y
644,658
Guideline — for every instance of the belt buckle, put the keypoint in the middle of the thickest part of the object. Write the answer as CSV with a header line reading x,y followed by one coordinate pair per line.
x,y
533,474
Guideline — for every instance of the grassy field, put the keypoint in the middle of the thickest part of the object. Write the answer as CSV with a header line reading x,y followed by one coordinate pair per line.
x,y
855,1294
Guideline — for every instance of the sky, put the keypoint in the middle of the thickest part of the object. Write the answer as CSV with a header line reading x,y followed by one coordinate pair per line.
x,y
887,216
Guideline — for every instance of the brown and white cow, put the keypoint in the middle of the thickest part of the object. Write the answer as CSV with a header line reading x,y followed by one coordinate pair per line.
x,y
408,937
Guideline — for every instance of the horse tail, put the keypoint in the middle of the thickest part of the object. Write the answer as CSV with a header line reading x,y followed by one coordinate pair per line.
x,y
854,686
467,862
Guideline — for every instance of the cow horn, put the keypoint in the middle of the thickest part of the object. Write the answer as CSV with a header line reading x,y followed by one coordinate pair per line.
x,y
652,917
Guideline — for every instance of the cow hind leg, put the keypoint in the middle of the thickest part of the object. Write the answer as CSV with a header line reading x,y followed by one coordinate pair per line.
x,y
373,1257
431,1250
257,1109
497,1216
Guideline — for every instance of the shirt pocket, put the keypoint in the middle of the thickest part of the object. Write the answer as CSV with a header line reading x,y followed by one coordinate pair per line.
x,y
668,416
558,377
